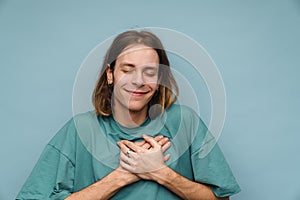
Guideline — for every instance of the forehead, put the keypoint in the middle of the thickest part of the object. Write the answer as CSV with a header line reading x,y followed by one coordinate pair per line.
x,y
138,55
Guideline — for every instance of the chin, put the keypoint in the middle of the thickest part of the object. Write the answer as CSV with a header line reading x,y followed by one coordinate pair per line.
x,y
136,108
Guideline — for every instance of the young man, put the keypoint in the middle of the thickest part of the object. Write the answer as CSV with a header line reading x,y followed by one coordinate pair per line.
x,y
137,144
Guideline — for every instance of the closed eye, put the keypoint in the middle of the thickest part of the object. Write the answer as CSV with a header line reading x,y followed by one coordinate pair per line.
x,y
150,71
127,68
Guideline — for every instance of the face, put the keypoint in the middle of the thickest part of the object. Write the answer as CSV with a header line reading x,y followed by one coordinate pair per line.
x,y
135,78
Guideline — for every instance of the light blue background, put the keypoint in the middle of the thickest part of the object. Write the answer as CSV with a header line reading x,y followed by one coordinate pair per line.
x,y
255,44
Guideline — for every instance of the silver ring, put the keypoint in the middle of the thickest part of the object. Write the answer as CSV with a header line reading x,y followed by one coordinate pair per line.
x,y
128,153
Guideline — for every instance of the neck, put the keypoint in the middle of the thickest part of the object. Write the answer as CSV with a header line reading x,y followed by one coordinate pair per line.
x,y
130,118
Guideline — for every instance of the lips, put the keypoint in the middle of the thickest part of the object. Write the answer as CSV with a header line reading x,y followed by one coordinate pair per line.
x,y
137,92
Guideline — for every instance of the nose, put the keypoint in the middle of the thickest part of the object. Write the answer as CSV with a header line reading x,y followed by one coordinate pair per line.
x,y
138,80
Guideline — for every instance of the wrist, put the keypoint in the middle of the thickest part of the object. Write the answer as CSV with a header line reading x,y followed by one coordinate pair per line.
x,y
163,175
125,177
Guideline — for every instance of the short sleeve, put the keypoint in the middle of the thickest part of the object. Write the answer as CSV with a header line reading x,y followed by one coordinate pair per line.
x,y
211,167
53,175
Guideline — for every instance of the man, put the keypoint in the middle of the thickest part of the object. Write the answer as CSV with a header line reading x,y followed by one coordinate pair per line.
x,y
137,143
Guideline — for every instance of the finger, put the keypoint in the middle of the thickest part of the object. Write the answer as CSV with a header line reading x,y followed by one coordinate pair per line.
x,y
128,158
141,143
158,138
126,166
163,141
151,141
129,154
122,147
126,150
146,145
124,158
133,146
167,157
166,146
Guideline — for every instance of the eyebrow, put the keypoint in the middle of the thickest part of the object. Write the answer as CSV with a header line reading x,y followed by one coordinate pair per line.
x,y
126,64
132,65
150,68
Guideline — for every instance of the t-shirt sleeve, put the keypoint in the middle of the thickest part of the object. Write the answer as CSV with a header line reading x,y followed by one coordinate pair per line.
x,y
210,166
53,175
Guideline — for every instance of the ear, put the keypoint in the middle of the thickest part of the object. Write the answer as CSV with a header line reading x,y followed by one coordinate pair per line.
x,y
109,75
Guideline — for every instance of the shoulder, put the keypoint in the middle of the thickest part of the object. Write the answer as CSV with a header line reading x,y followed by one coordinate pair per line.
x,y
186,119
182,112
183,116
86,122
86,116
68,133
180,108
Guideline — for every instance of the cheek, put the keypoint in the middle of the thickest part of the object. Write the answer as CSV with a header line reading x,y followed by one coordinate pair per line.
x,y
154,86
121,79
151,81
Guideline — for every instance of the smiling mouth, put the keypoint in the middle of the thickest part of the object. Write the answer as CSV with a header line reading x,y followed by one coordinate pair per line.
x,y
137,93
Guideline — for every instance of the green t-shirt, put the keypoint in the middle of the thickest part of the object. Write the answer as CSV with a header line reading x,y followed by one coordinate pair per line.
x,y
85,150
